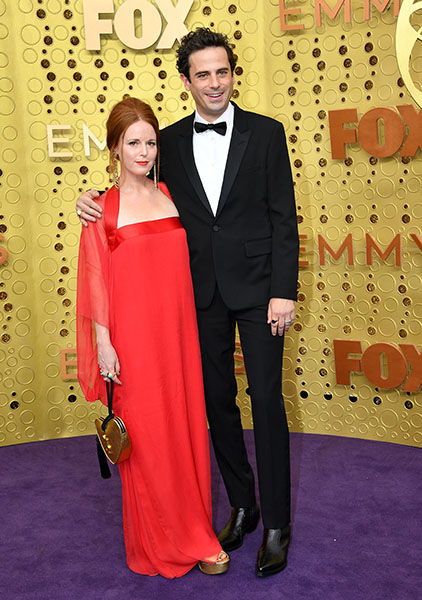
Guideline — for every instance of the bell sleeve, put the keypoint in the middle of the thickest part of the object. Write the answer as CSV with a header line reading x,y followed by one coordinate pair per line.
x,y
92,306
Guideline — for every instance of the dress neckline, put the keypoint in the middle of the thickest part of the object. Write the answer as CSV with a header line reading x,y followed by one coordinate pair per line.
x,y
147,221
117,191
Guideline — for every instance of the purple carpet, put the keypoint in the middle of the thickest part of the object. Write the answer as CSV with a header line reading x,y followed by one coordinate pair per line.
x,y
356,528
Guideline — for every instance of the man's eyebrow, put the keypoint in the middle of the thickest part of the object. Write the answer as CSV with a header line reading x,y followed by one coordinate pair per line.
x,y
207,72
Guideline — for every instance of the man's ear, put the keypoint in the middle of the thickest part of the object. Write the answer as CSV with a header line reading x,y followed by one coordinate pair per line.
x,y
185,81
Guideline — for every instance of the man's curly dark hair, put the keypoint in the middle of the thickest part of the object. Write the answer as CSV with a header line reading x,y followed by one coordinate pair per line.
x,y
201,38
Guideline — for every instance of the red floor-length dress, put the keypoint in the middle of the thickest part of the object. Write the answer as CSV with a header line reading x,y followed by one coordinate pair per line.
x,y
136,281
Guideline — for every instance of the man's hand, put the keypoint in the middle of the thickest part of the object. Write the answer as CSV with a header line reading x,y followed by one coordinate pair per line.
x,y
87,209
281,314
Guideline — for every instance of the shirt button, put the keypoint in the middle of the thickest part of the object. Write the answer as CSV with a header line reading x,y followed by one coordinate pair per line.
x,y
216,228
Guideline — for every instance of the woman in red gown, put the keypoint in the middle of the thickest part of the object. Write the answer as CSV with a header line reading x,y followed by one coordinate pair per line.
x,y
136,320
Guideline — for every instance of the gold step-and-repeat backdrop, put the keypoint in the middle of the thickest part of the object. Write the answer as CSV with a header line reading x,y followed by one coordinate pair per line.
x,y
344,77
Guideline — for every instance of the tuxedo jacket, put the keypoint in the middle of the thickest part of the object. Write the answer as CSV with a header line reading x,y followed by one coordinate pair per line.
x,y
250,247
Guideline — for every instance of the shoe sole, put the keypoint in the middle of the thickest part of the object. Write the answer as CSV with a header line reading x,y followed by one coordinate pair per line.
x,y
272,571
213,568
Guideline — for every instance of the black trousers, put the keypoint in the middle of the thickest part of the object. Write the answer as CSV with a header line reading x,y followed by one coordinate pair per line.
x,y
263,355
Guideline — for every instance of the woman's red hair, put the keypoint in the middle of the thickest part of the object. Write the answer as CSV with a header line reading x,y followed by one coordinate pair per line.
x,y
123,115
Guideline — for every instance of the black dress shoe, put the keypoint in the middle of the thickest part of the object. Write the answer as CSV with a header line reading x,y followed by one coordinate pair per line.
x,y
242,520
272,555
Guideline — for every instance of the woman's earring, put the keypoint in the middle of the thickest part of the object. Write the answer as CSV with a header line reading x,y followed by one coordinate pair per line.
x,y
155,175
116,178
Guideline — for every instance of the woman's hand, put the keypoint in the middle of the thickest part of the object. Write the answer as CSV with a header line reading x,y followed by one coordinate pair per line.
x,y
108,361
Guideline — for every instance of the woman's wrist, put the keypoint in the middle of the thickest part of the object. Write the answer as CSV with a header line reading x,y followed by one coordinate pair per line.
x,y
102,335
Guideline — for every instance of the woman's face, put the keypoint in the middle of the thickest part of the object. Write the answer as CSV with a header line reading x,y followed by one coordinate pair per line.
x,y
137,149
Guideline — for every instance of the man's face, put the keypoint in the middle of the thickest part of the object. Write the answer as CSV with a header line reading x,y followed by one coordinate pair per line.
x,y
211,81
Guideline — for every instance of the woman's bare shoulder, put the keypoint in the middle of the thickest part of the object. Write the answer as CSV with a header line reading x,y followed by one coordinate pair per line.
x,y
164,190
166,200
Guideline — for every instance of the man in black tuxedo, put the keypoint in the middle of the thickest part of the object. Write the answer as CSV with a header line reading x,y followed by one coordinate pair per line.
x,y
229,174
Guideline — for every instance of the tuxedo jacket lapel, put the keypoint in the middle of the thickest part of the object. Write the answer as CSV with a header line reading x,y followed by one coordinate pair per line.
x,y
186,153
238,144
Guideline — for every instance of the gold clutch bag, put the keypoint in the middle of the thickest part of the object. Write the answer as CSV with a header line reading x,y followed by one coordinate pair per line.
x,y
111,432
114,439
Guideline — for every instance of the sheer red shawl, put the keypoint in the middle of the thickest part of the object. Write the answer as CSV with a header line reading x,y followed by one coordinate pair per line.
x,y
92,302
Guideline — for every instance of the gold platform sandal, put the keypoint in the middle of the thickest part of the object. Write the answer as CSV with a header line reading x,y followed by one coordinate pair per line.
x,y
218,567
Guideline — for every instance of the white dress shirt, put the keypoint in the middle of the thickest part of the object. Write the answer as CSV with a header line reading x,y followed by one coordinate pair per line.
x,y
210,151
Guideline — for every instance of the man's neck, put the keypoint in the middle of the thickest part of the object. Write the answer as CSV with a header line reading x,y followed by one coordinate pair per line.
x,y
213,118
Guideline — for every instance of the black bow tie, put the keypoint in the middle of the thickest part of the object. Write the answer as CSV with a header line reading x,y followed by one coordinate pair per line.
x,y
220,128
